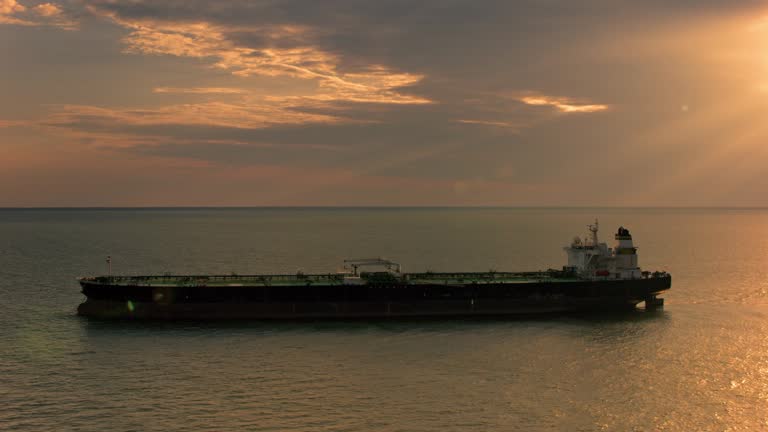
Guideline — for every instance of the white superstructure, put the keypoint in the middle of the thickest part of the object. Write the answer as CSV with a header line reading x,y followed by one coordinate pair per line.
x,y
594,260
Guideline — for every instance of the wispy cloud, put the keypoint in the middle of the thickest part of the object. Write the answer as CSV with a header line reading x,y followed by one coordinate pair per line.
x,y
44,14
290,53
12,123
231,115
200,90
500,124
564,105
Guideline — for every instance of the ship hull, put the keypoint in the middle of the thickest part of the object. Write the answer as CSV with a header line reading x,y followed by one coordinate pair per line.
x,y
360,302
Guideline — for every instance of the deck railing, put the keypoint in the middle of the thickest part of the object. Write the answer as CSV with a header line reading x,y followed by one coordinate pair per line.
x,y
206,279
334,278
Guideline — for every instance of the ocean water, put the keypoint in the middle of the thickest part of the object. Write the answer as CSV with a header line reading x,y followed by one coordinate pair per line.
x,y
699,364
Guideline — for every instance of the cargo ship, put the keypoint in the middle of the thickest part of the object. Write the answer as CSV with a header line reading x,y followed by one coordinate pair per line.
x,y
596,278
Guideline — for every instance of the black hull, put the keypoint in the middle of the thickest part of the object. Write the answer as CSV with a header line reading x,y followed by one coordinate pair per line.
x,y
371,301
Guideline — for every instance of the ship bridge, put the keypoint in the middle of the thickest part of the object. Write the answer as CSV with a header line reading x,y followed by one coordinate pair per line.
x,y
591,259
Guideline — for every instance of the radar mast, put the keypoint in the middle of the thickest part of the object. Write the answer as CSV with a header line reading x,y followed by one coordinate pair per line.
x,y
593,229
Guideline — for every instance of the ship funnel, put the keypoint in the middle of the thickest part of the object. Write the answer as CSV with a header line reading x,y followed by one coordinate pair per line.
x,y
624,239
626,254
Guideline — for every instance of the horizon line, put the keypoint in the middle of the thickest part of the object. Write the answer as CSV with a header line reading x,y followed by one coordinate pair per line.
x,y
415,207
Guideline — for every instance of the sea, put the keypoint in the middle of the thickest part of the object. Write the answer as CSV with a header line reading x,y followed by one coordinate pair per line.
x,y
699,364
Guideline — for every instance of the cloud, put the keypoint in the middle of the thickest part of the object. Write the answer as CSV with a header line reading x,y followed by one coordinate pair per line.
x,y
13,123
9,11
199,90
435,92
490,123
44,14
220,114
564,105
10,7
391,143
47,10
283,50
336,82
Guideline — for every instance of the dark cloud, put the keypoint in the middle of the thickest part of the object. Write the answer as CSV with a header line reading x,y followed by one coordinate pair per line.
x,y
432,32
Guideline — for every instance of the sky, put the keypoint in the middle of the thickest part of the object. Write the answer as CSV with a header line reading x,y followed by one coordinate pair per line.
x,y
383,103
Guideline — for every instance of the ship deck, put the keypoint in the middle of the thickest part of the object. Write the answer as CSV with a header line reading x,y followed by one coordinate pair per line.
x,y
330,279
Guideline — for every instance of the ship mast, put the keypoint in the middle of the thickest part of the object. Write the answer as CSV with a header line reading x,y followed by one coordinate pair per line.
x,y
593,230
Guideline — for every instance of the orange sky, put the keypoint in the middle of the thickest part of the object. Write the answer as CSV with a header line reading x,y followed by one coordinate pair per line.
x,y
626,103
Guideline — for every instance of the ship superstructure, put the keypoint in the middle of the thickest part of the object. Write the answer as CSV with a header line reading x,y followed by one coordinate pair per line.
x,y
591,259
